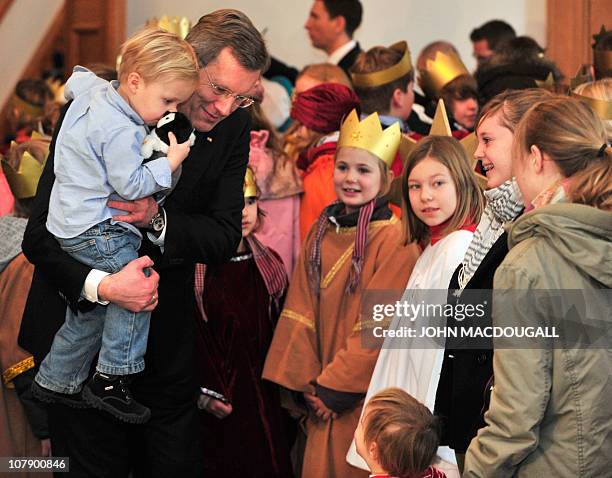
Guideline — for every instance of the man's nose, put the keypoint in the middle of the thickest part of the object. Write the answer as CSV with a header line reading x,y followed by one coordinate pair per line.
x,y
224,105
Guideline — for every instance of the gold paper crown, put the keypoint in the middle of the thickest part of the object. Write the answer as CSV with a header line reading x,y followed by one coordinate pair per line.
x,y
178,25
369,135
440,71
250,186
602,108
382,77
548,83
24,180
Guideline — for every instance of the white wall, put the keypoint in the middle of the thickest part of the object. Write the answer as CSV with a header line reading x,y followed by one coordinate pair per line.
x,y
20,35
384,21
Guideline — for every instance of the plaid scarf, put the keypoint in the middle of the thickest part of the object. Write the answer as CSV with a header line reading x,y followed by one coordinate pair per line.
x,y
269,266
361,237
504,204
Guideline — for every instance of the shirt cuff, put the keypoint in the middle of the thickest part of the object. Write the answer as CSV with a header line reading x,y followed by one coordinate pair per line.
x,y
159,240
90,289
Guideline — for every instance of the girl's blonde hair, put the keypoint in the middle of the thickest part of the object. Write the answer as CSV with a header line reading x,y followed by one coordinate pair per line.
x,y
470,199
405,431
572,135
512,106
156,54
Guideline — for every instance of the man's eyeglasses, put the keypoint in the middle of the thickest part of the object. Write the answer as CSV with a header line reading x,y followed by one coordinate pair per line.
x,y
239,100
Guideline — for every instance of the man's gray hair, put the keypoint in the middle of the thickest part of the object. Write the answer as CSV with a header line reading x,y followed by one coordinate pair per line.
x,y
229,28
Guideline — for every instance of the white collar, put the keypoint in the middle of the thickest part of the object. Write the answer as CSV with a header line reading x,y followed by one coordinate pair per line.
x,y
341,52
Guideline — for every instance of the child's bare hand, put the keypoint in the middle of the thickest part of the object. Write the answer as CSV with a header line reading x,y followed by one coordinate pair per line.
x,y
319,408
177,152
218,408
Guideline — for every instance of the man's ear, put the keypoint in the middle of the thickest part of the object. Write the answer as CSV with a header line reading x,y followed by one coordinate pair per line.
x,y
537,158
339,24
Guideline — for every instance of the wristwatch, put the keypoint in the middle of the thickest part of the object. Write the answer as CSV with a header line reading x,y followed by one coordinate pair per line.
x,y
158,221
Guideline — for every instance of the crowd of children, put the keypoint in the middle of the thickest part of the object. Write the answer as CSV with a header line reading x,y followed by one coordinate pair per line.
x,y
290,384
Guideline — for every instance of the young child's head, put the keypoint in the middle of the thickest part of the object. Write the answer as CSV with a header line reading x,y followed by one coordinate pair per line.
x,y
317,112
383,79
438,187
364,155
397,434
317,73
560,138
30,106
461,96
598,95
251,214
158,71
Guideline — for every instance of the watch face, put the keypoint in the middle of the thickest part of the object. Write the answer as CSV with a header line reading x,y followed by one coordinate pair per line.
x,y
157,222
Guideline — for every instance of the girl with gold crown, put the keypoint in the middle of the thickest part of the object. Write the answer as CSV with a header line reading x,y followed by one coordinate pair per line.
x,y
238,304
317,350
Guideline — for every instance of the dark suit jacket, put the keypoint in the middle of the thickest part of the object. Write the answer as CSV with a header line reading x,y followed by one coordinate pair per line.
x,y
278,68
203,225
349,59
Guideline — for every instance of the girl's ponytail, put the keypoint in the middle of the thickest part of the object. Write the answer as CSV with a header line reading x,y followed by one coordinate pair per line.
x,y
593,185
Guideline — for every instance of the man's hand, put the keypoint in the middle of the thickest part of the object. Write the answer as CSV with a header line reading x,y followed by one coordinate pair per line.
x,y
218,408
318,407
139,211
130,288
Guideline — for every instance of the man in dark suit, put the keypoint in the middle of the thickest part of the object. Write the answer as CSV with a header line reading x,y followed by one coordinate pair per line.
x,y
200,222
330,26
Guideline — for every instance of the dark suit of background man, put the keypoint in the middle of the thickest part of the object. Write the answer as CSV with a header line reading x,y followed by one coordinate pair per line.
x,y
330,26
202,224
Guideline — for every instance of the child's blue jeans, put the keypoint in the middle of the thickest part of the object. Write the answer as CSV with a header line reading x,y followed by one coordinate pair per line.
x,y
119,335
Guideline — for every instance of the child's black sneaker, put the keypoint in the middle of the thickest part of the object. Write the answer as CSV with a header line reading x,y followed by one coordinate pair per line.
x,y
111,394
74,400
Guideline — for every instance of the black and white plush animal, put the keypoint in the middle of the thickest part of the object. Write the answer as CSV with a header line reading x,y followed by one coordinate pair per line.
x,y
156,142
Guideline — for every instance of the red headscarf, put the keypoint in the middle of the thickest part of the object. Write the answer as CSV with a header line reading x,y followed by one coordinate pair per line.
x,y
322,107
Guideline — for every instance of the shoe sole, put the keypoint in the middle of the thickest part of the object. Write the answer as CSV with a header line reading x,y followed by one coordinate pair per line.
x,y
98,403
48,396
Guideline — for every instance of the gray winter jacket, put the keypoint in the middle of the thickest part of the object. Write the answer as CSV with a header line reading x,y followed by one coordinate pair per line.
x,y
551,406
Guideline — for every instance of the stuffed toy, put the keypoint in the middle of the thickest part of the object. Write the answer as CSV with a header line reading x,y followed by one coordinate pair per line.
x,y
156,143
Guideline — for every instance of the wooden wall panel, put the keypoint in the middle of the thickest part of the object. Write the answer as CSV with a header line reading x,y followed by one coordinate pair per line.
x,y
86,31
96,29
571,25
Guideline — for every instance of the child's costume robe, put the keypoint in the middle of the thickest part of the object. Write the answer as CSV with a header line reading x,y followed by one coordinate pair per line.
x,y
318,340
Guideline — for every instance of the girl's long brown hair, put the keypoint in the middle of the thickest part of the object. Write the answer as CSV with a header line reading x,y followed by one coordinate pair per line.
x,y
470,199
